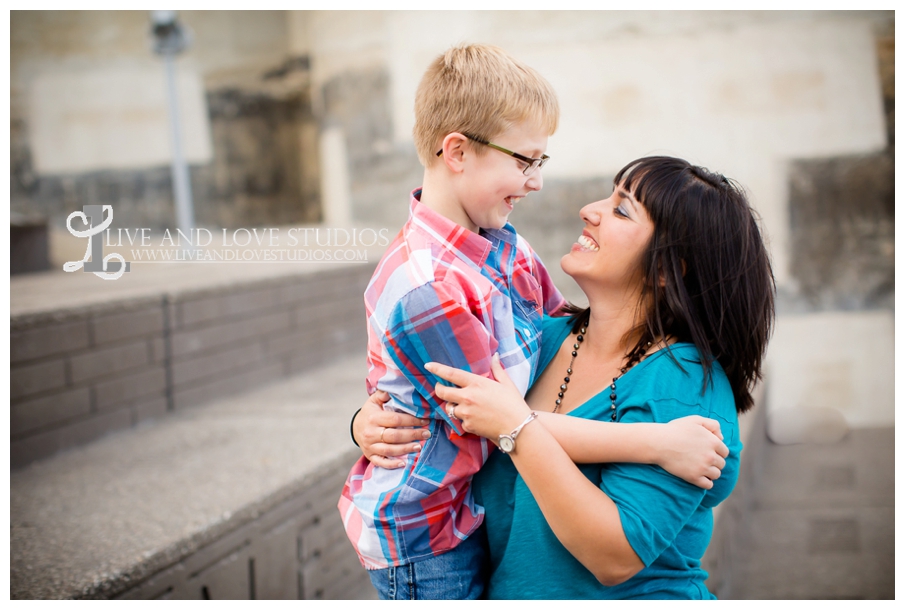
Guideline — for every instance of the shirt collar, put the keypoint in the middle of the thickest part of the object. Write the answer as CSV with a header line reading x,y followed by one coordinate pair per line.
x,y
466,244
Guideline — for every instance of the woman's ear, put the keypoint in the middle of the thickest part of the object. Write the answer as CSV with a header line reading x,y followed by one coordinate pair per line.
x,y
454,151
663,273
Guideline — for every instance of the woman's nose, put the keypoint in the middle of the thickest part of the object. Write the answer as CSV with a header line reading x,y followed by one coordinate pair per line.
x,y
591,213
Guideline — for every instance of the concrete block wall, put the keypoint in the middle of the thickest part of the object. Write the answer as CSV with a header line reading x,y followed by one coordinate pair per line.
x,y
76,375
296,550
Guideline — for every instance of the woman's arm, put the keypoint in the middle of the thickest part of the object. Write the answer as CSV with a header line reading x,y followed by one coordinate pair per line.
x,y
585,520
689,448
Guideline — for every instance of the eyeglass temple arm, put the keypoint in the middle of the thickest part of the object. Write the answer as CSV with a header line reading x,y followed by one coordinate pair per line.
x,y
476,139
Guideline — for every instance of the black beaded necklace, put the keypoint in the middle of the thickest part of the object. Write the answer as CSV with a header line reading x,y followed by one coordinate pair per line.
x,y
565,386
632,362
635,359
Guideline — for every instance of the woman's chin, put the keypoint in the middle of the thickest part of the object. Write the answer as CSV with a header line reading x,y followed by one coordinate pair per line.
x,y
567,264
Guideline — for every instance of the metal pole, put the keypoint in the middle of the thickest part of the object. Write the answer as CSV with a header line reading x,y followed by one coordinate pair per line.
x,y
182,187
169,39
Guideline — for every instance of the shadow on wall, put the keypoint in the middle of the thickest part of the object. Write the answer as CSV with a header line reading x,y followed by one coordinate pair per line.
x,y
843,232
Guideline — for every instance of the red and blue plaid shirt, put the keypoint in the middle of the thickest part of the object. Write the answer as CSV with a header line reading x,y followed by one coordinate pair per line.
x,y
441,293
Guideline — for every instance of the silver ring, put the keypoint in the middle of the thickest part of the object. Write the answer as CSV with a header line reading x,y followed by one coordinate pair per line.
x,y
451,410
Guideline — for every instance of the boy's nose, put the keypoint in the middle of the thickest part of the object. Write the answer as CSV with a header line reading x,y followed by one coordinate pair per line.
x,y
535,180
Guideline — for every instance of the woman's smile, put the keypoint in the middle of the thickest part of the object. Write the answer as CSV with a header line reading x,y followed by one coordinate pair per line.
x,y
616,232
587,244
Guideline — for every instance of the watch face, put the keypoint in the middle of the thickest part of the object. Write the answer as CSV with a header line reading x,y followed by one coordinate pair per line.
x,y
507,444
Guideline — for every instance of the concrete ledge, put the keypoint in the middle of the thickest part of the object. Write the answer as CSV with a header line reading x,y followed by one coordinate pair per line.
x,y
83,366
235,499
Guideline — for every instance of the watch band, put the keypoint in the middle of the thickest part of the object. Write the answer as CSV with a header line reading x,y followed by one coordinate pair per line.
x,y
507,441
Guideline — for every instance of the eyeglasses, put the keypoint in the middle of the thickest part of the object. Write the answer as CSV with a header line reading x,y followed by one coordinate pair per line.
x,y
532,164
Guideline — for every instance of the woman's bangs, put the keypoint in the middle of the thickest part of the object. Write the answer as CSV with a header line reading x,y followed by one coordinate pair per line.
x,y
648,179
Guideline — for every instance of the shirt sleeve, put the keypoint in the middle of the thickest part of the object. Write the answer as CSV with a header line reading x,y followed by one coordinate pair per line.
x,y
553,299
653,505
433,323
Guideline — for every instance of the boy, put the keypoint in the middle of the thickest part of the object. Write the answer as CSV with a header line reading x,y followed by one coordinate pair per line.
x,y
456,286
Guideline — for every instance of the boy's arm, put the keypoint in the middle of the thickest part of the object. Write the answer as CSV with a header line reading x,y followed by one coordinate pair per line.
x,y
690,448
433,323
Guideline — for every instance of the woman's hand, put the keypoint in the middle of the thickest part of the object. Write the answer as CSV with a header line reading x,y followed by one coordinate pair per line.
x,y
692,449
385,435
486,407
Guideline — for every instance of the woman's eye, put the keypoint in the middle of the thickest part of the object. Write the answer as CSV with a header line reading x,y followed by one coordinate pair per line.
x,y
618,211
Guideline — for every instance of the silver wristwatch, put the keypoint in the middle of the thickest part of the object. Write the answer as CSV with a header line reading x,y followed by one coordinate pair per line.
x,y
507,441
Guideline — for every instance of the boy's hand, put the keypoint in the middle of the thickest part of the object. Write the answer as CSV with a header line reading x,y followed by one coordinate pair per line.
x,y
384,435
692,449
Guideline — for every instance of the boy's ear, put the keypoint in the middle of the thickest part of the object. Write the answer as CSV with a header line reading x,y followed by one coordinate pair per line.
x,y
454,150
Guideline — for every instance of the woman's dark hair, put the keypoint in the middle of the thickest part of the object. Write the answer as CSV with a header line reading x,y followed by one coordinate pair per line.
x,y
708,278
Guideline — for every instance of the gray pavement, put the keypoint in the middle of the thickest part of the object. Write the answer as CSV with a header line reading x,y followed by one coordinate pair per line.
x,y
822,521
113,509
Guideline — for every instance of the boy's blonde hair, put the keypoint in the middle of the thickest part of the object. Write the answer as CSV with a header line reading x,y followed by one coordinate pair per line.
x,y
480,90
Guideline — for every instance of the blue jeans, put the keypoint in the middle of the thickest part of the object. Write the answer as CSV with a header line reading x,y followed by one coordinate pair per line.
x,y
456,574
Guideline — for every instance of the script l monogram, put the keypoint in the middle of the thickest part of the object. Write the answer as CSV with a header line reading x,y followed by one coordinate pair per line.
x,y
100,265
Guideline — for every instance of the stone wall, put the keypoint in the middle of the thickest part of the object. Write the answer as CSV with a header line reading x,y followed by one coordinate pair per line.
x,y
75,376
381,171
265,167
842,218
250,137
743,93
235,499
264,172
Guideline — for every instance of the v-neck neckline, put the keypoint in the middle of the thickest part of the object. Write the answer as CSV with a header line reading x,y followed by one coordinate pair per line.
x,y
593,400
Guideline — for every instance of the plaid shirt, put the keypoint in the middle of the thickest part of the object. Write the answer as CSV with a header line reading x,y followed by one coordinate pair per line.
x,y
441,293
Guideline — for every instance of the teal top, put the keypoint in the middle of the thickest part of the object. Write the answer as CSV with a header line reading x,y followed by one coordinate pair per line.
x,y
667,521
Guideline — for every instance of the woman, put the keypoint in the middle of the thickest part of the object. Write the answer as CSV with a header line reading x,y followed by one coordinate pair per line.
x,y
680,294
